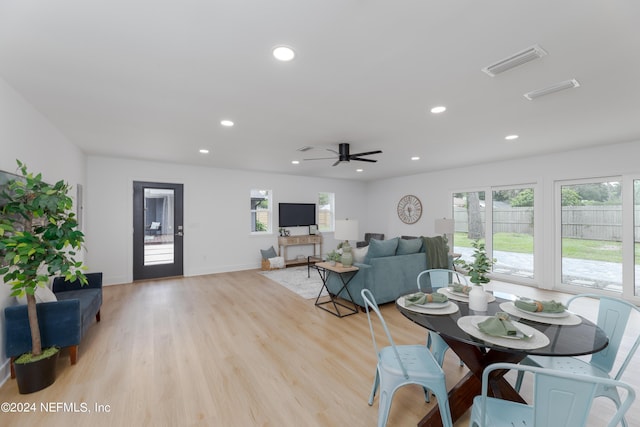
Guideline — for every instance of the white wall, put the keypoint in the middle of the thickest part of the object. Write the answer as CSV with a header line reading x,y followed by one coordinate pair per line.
x,y
216,207
435,190
26,135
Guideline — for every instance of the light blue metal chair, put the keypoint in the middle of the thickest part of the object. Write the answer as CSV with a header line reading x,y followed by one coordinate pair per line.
x,y
613,315
430,281
399,365
560,399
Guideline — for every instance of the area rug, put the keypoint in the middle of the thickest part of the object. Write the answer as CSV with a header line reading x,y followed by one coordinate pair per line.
x,y
295,279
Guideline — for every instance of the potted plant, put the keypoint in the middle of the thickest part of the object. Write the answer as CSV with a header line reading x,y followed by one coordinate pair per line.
x,y
477,270
38,240
481,265
333,257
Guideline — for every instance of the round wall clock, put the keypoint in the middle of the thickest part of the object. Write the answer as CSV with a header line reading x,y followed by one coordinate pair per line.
x,y
409,209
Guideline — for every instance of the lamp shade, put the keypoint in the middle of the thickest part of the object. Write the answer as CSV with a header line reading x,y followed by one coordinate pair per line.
x,y
445,226
346,229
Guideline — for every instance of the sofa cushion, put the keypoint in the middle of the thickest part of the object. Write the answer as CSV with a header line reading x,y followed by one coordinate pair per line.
x,y
90,303
381,248
406,247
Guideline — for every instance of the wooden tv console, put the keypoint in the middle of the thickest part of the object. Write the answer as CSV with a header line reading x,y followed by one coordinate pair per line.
x,y
284,242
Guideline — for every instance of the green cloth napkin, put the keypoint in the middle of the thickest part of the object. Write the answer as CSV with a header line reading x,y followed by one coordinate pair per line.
x,y
539,306
457,287
422,298
498,326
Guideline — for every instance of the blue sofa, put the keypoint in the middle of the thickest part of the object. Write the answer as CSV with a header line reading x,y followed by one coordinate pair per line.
x,y
391,267
63,323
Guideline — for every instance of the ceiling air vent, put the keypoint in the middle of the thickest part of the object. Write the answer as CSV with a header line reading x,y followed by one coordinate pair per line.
x,y
567,84
527,55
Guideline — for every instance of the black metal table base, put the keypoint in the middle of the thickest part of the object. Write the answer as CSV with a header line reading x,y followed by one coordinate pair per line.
x,y
333,298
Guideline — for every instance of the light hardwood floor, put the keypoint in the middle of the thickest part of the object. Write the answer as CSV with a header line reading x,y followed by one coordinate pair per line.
x,y
232,349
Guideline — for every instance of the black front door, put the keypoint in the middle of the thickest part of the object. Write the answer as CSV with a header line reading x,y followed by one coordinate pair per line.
x,y
157,230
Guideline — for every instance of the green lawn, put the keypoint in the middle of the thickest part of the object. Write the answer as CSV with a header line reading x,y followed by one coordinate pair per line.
x,y
595,250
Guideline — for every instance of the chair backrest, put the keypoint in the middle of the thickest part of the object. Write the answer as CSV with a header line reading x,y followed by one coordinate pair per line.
x,y
613,316
372,305
435,278
561,398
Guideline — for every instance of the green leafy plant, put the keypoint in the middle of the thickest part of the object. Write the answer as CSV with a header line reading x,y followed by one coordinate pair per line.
x,y
481,264
38,240
334,256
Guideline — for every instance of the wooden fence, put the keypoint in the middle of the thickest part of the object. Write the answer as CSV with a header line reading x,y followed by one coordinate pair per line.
x,y
579,222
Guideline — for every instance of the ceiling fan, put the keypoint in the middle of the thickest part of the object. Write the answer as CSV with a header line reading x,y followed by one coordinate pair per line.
x,y
343,155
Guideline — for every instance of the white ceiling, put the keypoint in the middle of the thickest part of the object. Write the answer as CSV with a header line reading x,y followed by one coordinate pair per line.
x,y
151,79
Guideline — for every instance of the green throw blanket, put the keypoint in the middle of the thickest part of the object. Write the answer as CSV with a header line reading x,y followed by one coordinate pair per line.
x,y
422,298
535,306
437,252
498,326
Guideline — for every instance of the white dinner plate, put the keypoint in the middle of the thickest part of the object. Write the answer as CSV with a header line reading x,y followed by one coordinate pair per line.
x,y
443,309
460,294
537,340
542,313
433,305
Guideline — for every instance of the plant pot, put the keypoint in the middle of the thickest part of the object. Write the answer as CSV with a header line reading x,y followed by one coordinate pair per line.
x,y
35,376
478,298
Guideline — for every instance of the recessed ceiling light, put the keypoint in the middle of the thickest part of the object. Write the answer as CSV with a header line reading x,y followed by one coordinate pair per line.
x,y
295,162
227,123
359,170
204,151
283,53
415,158
511,137
439,109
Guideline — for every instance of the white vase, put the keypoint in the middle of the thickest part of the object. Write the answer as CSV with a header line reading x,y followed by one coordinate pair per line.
x,y
478,298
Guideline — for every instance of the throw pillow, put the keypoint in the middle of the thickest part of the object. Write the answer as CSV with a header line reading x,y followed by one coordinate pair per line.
x,y
276,262
268,253
381,248
43,294
406,247
359,254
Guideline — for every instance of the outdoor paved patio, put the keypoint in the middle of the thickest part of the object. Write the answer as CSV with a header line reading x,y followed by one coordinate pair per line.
x,y
587,273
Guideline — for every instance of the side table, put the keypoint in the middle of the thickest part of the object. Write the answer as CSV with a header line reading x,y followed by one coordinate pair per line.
x,y
345,274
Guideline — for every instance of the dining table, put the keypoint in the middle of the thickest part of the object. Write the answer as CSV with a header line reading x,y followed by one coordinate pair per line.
x,y
557,335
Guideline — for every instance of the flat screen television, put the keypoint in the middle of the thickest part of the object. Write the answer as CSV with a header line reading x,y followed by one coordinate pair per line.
x,y
296,214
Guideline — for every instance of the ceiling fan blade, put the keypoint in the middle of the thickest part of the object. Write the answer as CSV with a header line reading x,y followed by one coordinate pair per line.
x,y
362,160
368,153
322,158
336,163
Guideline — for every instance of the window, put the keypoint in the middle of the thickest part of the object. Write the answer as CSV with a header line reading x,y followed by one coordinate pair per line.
x,y
636,234
512,231
261,212
591,234
469,216
326,211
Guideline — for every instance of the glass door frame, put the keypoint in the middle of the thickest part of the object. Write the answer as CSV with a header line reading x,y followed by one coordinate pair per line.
x,y
154,271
